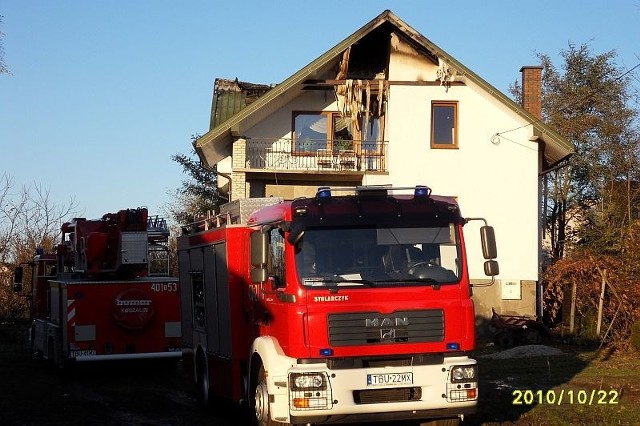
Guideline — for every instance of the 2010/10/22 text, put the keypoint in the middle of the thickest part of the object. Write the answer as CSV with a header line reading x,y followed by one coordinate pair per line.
x,y
570,396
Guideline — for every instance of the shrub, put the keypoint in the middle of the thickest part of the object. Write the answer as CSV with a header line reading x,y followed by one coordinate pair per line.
x,y
635,336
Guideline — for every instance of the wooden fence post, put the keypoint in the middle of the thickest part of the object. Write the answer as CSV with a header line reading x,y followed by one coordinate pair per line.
x,y
603,275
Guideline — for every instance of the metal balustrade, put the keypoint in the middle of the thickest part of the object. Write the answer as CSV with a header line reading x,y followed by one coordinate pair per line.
x,y
314,155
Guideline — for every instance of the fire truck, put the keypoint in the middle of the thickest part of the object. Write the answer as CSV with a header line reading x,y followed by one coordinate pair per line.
x,y
353,305
105,294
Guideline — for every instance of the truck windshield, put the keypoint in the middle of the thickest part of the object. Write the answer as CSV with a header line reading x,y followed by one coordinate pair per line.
x,y
379,256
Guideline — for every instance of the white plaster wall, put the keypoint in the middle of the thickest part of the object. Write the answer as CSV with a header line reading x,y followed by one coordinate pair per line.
x,y
494,181
278,125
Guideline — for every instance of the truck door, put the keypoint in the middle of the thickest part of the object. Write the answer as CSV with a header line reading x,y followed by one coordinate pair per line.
x,y
216,276
274,316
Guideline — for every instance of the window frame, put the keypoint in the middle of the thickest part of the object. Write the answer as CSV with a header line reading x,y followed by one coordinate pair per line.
x,y
440,145
358,136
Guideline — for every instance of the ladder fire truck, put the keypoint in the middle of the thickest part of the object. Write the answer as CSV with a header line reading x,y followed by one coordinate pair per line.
x,y
106,294
335,308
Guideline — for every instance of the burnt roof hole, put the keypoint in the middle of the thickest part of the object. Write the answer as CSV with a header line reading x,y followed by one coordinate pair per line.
x,y
370,55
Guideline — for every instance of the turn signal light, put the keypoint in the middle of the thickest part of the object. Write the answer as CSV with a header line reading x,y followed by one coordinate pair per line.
x,y
301,403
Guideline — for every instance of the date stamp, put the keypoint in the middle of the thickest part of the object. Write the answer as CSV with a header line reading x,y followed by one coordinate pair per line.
x,y
565,396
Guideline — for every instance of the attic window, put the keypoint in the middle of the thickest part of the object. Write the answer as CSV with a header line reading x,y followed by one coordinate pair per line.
x,y
444,124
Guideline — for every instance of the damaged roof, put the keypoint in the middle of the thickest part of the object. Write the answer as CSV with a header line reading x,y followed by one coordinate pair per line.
x,y
231,96
215,145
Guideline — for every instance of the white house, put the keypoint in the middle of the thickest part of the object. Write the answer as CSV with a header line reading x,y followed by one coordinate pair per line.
x,y
388,106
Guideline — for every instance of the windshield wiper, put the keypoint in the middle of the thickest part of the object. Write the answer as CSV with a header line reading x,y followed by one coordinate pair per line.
x,y
434,283
339,279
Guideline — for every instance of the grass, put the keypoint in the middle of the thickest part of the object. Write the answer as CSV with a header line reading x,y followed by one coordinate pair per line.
x,y
598,388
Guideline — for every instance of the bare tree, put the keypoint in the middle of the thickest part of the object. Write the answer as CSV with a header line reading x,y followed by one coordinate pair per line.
x,y
29,219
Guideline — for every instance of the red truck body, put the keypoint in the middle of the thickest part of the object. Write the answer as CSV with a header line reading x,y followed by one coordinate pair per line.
x,y
314,311
106,294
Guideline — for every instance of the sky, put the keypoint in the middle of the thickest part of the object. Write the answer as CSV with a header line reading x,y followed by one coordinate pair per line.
x,y
102,93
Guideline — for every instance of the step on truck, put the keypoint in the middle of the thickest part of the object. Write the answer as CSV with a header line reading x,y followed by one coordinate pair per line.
x,y
335,308
105,294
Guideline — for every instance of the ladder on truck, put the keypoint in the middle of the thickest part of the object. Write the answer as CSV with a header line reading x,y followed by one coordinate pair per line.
x,y
158,245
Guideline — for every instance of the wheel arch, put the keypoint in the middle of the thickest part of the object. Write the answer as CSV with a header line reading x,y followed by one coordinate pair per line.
x,y
267,352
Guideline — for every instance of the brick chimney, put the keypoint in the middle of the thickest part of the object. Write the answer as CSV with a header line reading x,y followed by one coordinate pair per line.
x,y
532,90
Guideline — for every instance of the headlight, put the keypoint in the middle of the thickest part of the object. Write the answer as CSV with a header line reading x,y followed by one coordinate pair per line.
x,y
301,381
464,373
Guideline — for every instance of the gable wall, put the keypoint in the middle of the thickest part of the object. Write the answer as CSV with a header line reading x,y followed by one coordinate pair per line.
x,y
496,180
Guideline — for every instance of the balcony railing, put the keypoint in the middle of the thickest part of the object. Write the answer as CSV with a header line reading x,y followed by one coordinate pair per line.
x,y
314,155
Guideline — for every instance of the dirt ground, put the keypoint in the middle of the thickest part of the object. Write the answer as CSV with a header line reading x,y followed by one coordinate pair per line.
x,y
32,393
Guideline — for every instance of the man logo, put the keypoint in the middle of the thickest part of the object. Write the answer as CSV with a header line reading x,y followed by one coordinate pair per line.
x,y
386,322
386,326
387,333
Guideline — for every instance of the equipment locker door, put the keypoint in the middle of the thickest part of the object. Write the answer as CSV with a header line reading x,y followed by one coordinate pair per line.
x,y
216,278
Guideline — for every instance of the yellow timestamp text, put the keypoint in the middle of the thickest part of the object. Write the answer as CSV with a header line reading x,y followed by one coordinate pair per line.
x,y
565,396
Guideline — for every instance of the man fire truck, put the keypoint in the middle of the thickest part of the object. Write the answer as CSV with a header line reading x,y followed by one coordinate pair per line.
x,y
106,294
334,308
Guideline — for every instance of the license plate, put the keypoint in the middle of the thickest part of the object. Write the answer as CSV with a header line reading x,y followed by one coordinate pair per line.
x,y
389,379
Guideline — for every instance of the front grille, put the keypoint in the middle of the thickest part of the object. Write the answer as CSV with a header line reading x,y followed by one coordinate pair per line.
x,y
366,328
378,396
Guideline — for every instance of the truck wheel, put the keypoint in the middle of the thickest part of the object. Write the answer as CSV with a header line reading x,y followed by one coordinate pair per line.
x,y
262,415
202,379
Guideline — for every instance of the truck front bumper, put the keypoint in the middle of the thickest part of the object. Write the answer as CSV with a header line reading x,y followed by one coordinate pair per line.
x,y
312,393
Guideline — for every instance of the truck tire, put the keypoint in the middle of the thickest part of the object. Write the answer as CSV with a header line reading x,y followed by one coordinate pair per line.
x,y
260,402
202,379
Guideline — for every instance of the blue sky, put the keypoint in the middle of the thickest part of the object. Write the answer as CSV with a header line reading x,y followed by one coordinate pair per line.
x,y
102,93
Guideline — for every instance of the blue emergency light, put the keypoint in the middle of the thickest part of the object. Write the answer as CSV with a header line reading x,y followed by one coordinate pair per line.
x,y
422,191
324,192
326,352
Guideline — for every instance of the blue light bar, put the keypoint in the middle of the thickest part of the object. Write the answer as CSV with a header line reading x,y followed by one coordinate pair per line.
x,y
452,346
326,352
422,191
324,192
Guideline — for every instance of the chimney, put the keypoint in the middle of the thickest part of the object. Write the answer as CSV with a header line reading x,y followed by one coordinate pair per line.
x,y
532,90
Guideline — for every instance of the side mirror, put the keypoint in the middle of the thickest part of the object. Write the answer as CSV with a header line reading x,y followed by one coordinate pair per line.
x,y
488,237
259,245
491,268
17,279
259,274
259,248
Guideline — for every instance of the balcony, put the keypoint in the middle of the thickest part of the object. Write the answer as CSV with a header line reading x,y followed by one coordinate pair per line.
x,y
315,155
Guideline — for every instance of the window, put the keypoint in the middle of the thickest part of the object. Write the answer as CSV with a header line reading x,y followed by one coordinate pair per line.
x,y
275,260
310,130
444,125
329,130
371,132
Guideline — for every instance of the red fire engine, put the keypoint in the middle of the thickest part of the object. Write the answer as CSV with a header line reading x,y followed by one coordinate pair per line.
x,y
106,293
334,308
